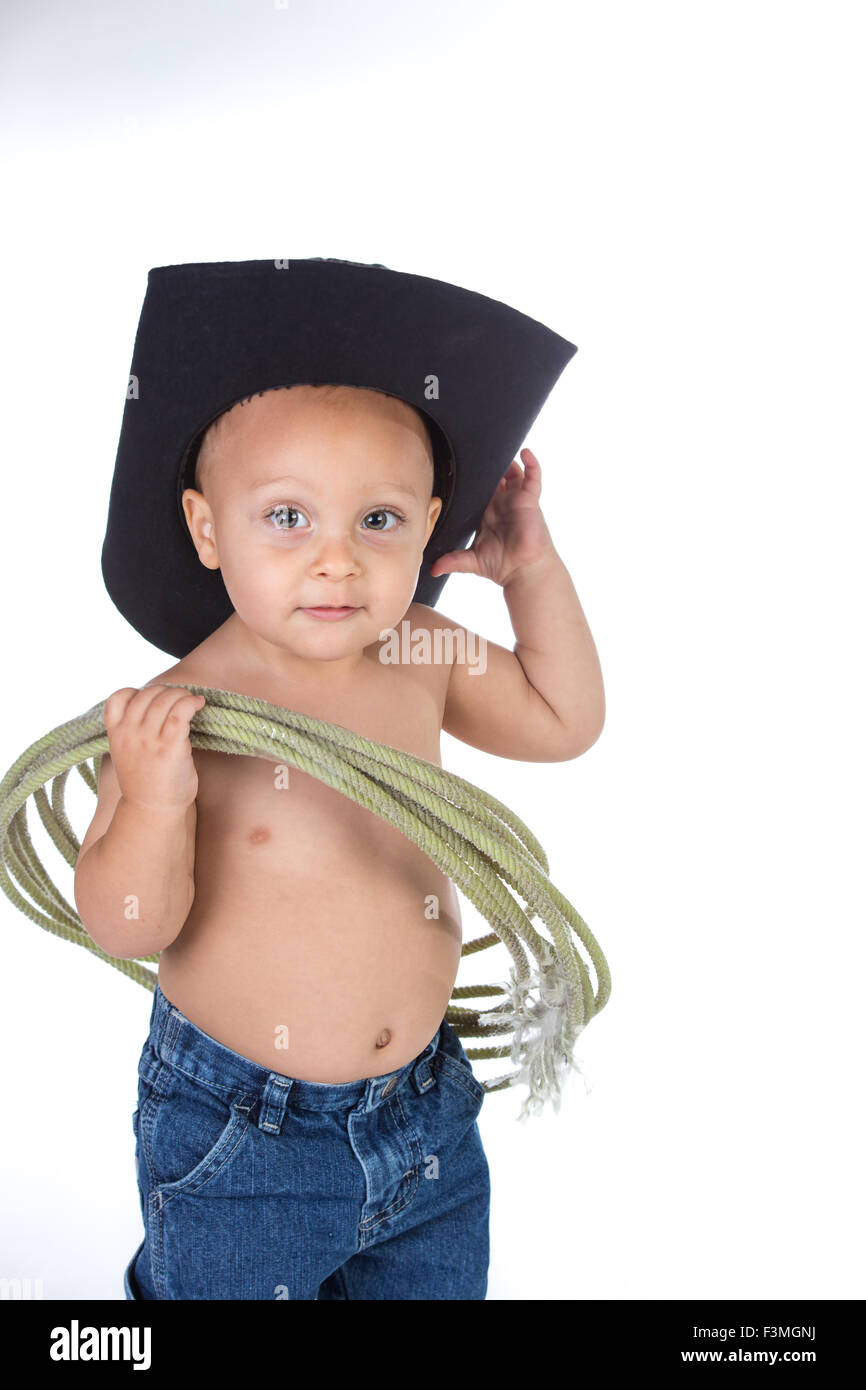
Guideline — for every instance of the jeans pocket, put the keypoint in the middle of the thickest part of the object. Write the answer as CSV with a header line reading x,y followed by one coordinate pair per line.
x,y
459,1071
187,1132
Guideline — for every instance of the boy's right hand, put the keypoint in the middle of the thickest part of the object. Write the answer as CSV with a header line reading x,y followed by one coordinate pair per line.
x,y
148,738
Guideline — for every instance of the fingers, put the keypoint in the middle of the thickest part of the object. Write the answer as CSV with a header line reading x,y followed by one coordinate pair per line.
x,y
528,476
116,705
455,562
178,715
531,473
155,710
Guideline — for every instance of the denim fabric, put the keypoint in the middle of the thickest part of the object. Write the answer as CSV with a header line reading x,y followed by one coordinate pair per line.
x,y
256,1185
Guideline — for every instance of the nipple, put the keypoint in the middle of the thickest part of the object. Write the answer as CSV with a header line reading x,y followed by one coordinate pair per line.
x,y
384,1038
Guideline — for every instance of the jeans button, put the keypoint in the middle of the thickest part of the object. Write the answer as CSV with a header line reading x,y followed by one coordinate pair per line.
x,y
389,1086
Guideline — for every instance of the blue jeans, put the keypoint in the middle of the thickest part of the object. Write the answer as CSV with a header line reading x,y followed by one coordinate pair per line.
x,y
257,1185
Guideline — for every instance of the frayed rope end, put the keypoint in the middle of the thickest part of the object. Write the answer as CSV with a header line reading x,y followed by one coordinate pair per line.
x,y
543,1041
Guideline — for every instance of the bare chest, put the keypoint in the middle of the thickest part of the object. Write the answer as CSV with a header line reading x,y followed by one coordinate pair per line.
x,y
265,820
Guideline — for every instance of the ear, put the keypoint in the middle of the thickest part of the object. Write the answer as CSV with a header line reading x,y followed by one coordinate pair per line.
x,y
432,514
200,521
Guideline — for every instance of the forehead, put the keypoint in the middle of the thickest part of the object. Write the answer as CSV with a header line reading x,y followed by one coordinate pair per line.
x,y
264,425
311,407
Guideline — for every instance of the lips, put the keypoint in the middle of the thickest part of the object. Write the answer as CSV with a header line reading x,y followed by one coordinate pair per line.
x,y
329,612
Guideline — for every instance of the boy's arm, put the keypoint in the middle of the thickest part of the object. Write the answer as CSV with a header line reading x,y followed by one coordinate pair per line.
x,y
134,876
544,701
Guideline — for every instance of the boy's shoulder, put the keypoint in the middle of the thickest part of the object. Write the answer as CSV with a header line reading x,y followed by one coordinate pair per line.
x,y
202,666
421,615
420,618
183,673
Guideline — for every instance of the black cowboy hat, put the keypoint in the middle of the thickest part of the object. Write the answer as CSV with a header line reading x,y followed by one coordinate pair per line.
x,y
212,334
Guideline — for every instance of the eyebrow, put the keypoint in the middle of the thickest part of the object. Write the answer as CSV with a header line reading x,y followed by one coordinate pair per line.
x,y
288,478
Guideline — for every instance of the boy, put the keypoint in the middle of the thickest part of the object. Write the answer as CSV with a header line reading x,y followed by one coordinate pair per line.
x,y
306,1122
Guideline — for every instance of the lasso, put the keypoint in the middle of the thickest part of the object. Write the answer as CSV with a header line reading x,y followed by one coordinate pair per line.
x,y
475,840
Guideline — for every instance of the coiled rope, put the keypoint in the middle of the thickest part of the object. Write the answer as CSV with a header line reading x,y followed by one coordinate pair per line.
x,y
475,840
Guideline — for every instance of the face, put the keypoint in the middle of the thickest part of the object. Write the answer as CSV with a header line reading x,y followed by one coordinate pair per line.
x,y
311,501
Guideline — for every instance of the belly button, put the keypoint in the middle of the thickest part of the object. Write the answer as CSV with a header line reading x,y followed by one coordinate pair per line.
x,y
259,834
384,1038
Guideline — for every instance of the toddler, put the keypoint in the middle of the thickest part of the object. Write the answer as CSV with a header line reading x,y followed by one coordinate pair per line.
x,y
306,1119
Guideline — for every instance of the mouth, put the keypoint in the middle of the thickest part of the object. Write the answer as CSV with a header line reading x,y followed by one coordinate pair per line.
x,y
329,612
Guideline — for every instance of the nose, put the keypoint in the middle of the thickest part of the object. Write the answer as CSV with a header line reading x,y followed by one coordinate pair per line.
x,y
335,557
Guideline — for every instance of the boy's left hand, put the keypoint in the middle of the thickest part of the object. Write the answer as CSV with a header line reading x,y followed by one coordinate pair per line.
x,y
512,535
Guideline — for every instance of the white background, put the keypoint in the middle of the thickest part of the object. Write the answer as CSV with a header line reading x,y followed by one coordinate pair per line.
x,y
678,189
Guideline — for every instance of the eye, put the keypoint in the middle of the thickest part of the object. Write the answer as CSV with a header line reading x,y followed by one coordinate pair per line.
x,y
284,518
282,515
386,511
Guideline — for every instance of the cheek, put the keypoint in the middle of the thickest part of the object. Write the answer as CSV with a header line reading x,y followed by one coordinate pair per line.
x,y
250,567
